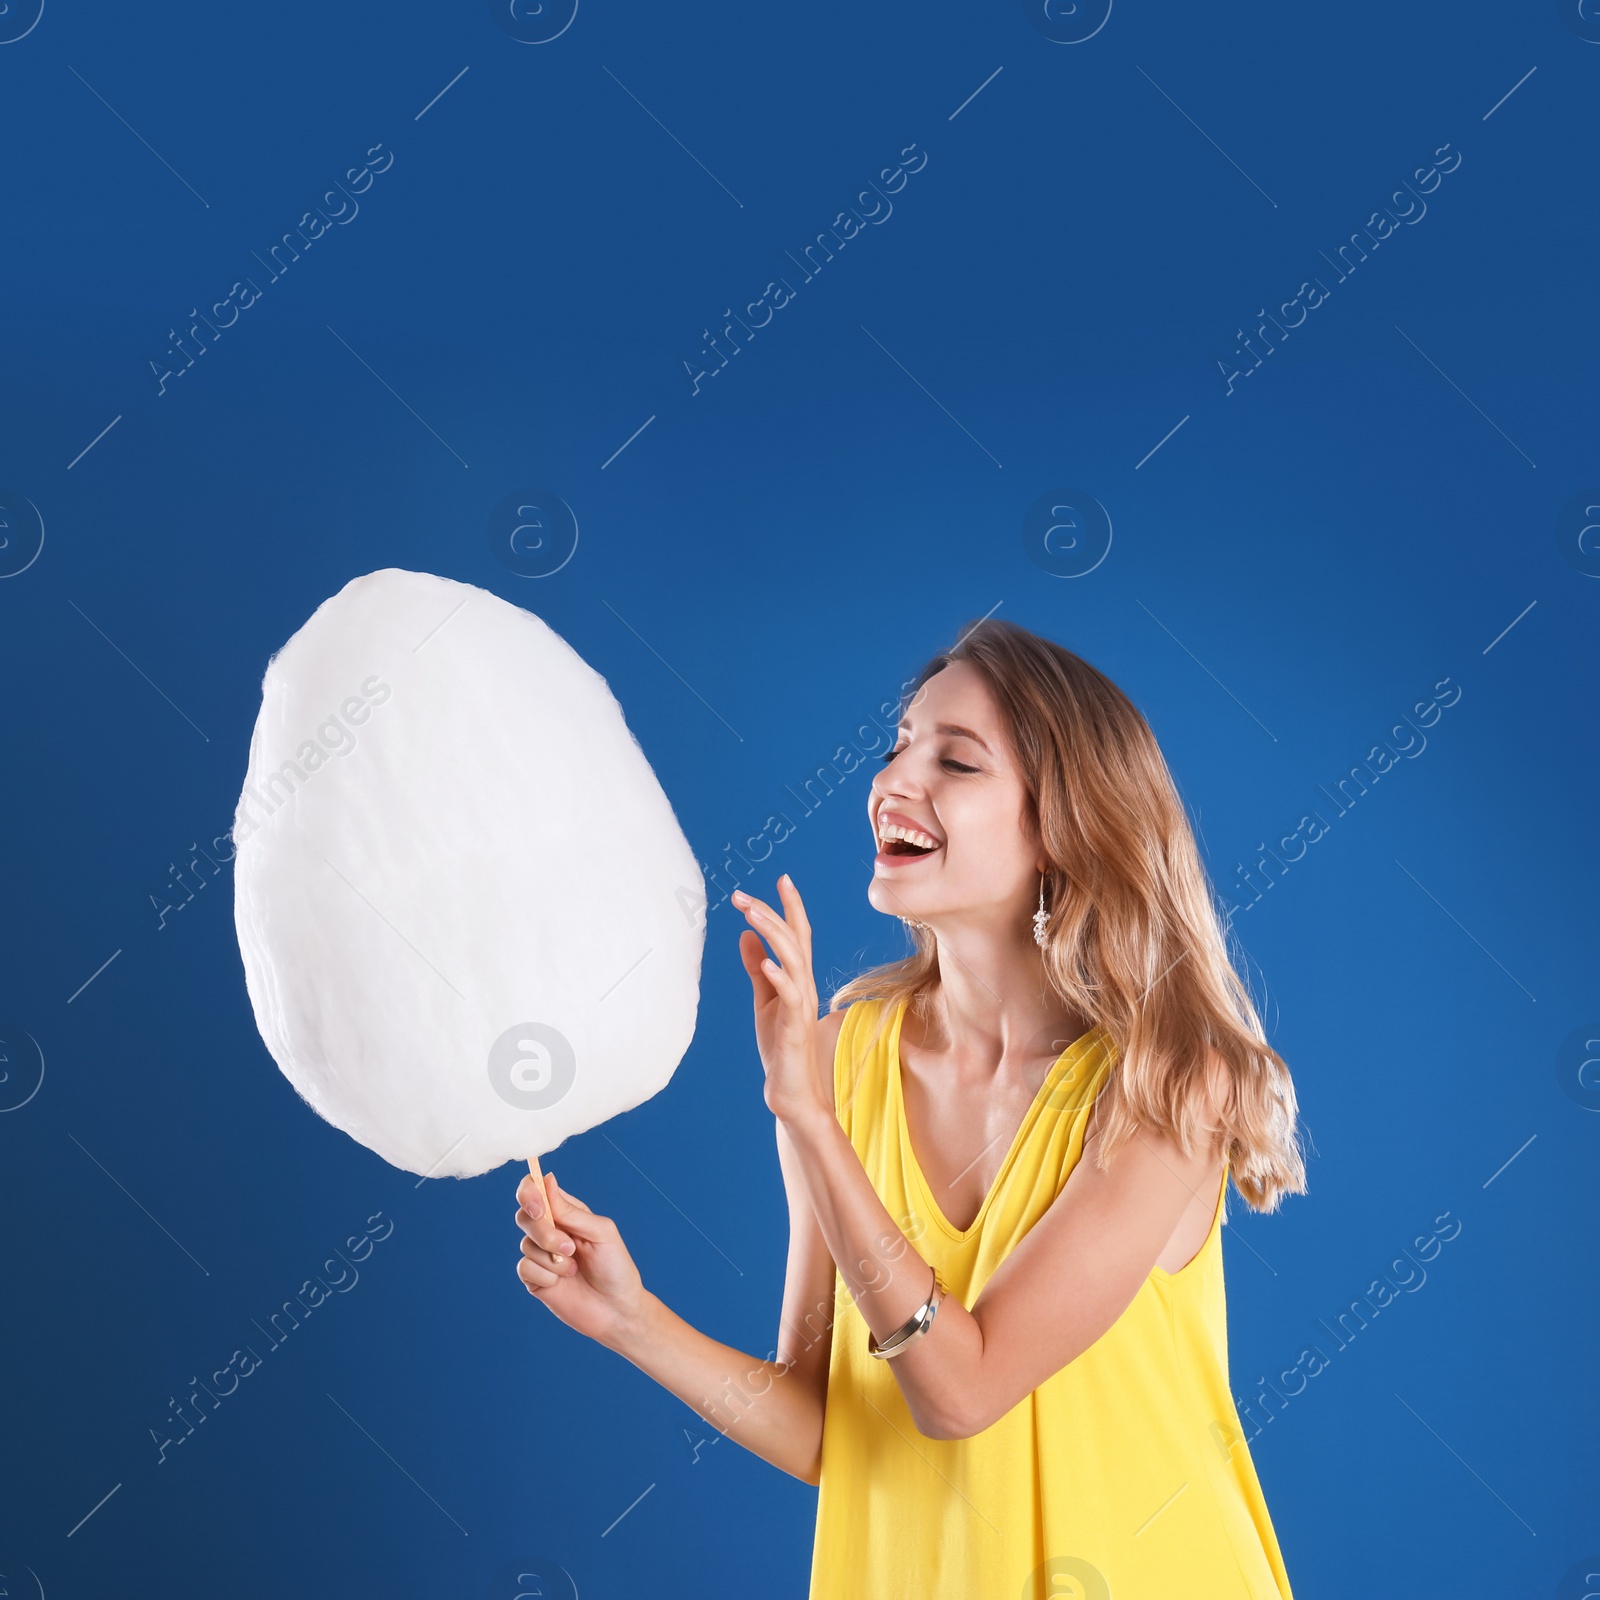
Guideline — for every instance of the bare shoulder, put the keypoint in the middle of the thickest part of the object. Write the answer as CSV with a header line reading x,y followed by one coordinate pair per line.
x,y
1215,1112
828,1026
1216,1082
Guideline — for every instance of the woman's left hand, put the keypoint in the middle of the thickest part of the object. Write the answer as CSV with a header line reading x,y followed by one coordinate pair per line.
x,y
786,1004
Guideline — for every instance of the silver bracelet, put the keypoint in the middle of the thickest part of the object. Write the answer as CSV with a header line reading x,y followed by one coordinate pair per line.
x,y
912,1328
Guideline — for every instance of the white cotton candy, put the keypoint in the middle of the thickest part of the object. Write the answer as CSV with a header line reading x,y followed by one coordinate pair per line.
x,y
471,925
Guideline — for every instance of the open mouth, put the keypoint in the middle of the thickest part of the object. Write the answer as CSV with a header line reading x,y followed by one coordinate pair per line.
x,y
902,842
904,847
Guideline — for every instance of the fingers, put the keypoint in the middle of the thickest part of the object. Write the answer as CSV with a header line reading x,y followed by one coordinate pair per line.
x,y
770,926
560,1253
535,1251
535,1218
788,990
534,1277
565,1197
578,1219
796,909
553,1265
791,948
548,1253
753,953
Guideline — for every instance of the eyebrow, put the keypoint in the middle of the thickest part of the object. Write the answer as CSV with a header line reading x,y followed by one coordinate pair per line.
x,y
956,731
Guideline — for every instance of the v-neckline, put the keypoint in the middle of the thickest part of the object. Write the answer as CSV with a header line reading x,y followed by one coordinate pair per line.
x,y
1030,1116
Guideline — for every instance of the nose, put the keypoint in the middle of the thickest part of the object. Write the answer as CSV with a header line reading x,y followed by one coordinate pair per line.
x,y
897,780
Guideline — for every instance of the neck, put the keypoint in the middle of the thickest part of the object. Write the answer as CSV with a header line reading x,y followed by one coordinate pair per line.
x,y
993,999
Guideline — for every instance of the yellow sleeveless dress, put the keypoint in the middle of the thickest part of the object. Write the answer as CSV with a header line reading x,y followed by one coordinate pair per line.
x,y
1124,1476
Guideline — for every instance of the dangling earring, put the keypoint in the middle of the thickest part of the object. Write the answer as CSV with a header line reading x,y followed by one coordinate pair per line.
x,y
1041,918
911,922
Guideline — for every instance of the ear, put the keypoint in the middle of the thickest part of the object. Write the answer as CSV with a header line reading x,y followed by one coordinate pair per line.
x,y
1034,834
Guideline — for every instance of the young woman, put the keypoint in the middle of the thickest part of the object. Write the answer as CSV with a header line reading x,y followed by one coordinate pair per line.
x,y
1002,1355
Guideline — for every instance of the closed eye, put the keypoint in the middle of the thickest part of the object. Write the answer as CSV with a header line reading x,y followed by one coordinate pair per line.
x,y
949,762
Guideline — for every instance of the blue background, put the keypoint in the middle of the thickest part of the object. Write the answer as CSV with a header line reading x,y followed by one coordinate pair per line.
x,y
1289,573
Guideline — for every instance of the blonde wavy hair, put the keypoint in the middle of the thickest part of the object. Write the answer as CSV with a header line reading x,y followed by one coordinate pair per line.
x,y
1134,940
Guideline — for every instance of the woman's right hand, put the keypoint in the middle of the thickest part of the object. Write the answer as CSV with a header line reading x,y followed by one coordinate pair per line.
x,y
594,1287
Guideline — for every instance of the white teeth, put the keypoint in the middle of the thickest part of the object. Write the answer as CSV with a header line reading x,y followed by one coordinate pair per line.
x,y
893,830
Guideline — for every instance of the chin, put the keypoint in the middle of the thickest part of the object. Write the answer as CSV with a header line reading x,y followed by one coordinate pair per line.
x,y
891,906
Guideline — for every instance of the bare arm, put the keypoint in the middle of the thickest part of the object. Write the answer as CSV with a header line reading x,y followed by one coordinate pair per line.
x,y
756,1403
1056,1293
774,1408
